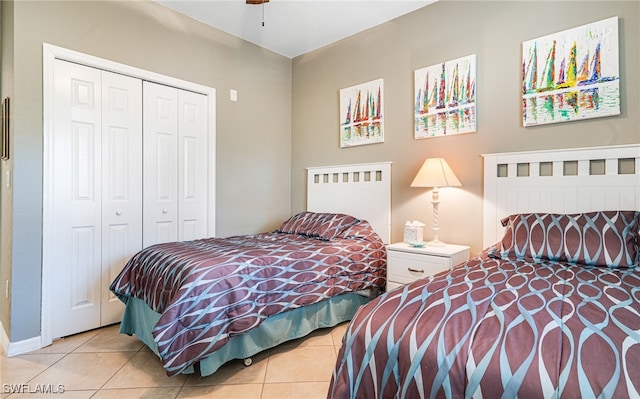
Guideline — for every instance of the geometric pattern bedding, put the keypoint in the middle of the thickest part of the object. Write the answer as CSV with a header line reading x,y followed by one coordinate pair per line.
x,y
209,290
494,328
603,238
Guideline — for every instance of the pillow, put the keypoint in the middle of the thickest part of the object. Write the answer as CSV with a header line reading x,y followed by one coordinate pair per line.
x,y
360,230
533,236
605,238
325,226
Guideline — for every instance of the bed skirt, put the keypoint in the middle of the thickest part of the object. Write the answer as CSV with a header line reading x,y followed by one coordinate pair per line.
x,y
139,320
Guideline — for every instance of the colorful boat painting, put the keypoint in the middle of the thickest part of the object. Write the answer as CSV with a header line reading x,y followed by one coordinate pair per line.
x,y
445,98
571,75
361,110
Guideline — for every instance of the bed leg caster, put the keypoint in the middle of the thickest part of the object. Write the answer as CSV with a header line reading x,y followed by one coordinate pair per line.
x,y
247,361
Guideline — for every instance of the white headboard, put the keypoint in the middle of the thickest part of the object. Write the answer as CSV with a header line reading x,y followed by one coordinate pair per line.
x,y
359,190
559,181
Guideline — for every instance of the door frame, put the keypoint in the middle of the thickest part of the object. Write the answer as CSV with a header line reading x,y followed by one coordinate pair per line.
x,y
49,54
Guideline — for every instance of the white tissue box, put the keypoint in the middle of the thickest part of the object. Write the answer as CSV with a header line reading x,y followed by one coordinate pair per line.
x,y
413,234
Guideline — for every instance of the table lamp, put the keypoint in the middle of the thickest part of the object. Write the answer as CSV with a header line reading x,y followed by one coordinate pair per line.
x,y
436,173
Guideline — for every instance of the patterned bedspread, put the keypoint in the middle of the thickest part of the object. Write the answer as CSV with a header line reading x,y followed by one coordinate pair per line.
x,y
498,328
208,290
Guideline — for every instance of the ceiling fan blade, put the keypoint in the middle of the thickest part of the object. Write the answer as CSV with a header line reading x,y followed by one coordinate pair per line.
x,y
257,1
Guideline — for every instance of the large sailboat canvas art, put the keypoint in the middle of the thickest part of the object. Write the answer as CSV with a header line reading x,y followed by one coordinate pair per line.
x,y
361,114
571,75
445,98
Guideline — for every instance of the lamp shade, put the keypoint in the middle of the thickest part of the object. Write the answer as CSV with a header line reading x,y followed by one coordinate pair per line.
x,y
435,172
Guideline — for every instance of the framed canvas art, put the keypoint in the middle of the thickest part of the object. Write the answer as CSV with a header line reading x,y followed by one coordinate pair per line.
x,y
445,98
571,75
361,114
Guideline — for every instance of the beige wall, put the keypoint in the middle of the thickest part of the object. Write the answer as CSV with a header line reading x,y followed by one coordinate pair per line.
x,y
447,30
253,134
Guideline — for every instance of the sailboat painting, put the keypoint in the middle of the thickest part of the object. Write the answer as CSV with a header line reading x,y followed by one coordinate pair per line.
x,y
445,98
571,75
361,114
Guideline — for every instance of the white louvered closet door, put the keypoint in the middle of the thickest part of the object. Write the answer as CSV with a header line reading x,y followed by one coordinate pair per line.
x,y
175,164
96,180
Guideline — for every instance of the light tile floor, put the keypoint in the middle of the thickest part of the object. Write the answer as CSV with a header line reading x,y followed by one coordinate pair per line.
x,y
106,364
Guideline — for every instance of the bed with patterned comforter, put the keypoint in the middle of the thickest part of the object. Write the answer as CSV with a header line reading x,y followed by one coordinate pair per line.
x,y
207,291
553,310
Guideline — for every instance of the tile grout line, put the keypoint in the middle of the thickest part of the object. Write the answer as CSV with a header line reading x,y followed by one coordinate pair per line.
x,y
266,370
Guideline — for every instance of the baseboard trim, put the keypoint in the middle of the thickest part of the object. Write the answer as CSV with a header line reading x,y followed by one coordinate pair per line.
x,y
24,346
4,339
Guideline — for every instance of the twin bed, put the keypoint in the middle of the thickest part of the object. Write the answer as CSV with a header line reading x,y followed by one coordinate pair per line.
x,y
550,307
199,304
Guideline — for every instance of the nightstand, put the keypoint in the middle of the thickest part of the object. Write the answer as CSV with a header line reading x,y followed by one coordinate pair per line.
x,y
406,264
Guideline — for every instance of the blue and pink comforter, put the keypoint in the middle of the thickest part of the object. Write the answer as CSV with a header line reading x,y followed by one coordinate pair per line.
x,y
494,328
551,311
211,289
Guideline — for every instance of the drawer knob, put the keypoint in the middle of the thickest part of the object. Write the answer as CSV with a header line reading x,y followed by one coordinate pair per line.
x,y
415,270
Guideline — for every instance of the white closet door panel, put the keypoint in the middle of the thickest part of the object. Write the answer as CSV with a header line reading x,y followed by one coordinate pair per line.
x,y
82,277
164,232
121,182
160,157
190,229
165,172
84,162
193,169
116,251
76,199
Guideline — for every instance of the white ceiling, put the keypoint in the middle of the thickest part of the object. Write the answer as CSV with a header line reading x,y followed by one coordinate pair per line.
x,y
294,27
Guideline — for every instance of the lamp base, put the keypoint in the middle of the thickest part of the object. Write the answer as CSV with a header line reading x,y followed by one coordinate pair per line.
x,y
435,243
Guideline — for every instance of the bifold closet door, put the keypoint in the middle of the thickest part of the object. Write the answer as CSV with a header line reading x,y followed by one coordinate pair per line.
x,y
175,164
193,165
97,200
121,183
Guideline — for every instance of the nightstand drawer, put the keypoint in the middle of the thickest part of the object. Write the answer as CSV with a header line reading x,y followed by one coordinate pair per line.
x,y
406,264
404,267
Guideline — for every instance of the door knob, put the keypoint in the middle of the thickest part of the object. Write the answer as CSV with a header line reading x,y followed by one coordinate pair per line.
x,y
118,213
165,211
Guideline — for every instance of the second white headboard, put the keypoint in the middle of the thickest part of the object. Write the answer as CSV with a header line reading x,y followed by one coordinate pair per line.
x,y
559,181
